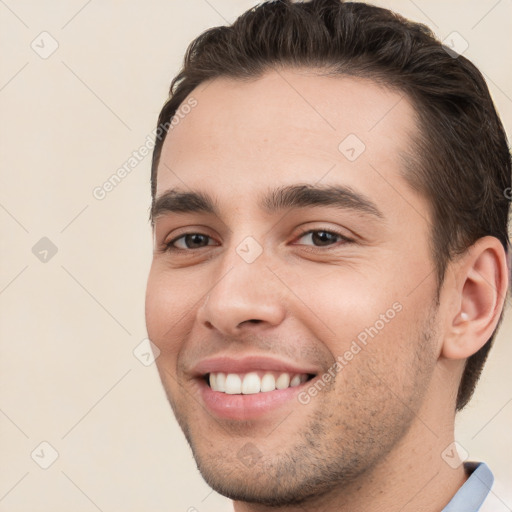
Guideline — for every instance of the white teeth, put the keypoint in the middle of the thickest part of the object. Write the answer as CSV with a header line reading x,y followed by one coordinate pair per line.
x,y
283,381
220,382
233,384
268,382
295,381
252,383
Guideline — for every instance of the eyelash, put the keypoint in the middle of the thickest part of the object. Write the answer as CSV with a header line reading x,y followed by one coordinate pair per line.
x,y
169,247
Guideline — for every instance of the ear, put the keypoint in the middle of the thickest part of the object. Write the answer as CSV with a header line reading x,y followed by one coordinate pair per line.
x,y
481,282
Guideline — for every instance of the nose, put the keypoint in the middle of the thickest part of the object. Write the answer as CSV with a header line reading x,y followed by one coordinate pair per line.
x,y
243,296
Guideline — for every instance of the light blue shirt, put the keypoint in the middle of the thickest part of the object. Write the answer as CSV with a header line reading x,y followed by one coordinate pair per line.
x,y
472,494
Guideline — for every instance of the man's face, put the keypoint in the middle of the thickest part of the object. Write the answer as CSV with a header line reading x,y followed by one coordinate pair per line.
x,y
310,291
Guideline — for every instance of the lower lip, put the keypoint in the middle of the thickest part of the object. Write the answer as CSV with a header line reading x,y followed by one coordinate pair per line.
x,y
247,407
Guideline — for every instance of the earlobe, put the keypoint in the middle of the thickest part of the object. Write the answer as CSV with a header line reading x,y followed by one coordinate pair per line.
x,y
481,282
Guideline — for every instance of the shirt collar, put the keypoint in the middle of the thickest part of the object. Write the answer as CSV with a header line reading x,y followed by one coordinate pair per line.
x,y
475,489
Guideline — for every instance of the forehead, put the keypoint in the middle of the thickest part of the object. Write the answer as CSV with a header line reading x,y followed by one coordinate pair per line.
x,y
288,126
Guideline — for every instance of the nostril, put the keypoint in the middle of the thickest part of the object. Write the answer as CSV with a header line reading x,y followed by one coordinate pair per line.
x,y
252,321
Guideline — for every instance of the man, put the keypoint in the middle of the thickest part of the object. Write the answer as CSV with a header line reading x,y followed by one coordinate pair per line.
x,y
330,258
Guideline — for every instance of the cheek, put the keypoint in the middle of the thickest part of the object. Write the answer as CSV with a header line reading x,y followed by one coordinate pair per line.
x,y
169,303
343,302
372,310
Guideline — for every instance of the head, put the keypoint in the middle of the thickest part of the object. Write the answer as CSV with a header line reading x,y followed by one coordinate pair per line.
x,y
346,119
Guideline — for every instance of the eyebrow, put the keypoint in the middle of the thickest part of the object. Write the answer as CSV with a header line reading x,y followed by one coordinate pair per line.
x,y
274,201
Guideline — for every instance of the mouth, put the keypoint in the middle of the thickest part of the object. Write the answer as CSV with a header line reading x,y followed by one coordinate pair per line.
x,y
255,395
251,387
254,382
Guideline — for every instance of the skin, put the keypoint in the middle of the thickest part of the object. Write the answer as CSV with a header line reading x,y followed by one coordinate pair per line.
x,y
372,438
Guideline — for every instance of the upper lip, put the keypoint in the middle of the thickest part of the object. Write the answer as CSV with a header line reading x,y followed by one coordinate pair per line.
x,y
229,364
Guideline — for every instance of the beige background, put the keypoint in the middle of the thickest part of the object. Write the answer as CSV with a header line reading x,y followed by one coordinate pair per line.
x,y
69,325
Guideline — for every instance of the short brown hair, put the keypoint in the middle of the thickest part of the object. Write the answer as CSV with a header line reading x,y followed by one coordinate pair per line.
x,y
460,160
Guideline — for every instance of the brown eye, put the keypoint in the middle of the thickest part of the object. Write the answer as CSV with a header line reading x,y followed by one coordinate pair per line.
x,y
189,241
323,238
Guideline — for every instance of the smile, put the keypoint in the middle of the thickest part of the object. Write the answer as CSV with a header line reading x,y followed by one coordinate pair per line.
x,y
252,387
254,382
